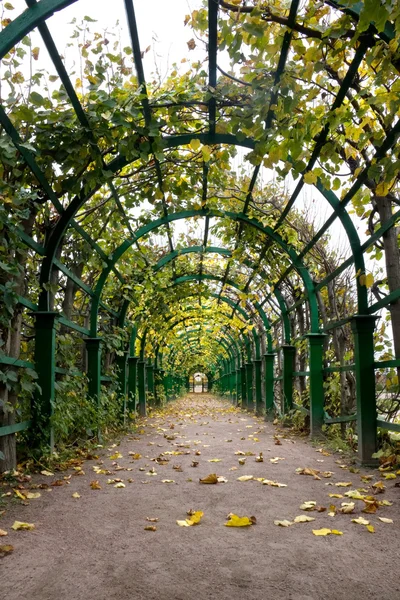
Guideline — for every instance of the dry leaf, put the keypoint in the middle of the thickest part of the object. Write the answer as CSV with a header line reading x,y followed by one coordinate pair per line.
x,y
347,507
335,495
236,521
360,521
308,505
152,519
222,479
47,473
115,456
95,485
259,458
212,478
3,533
21,525
194,463
214,460
76,495
326,531
343,484
275,460
32,495
385,520
371,528
6,549
245,478
150,528
284,523
168,481
303,519
273,483
308,471
119,485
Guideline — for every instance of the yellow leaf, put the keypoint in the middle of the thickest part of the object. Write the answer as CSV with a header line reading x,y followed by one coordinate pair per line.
x,y
389,476
336,532
310,178
195,144
303,519
119,485
150,528
245,478
323,531
212,478
347,507
308,505
385,520
95,485
32,495
371,528
284,523
335,495
273,483
343,484
360,521
19,495
7,549
214,460
21,525
168,481
3,533
76,495
152,519
115,456
47,473
236,521
183,523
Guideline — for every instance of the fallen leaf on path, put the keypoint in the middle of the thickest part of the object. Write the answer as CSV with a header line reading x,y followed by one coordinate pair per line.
x,y
222,479
214,460
245,478
379,487
194,463
76,495
360,521
6,549
212,478
275,460
259,458
236,521
47,473
308,505
115,456
343,484
194,519
240,453
95,485
152,519
150,528
32,495
284,523
21,525
303,519
119,485
135,455
326,531
167,481
273,483
385,520
3,533
347,507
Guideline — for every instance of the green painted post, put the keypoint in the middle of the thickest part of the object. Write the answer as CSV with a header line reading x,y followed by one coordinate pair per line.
x,y
363,331
93,349
45,362
288,368
238,386
243,385
258,386
249,386
141,375
317,400
150,378
122,381
132,378
269,358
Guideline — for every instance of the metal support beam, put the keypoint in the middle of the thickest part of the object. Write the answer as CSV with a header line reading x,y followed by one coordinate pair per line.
x,y
363,331
132,379
141,375
269,358
288,353
249,386
93,348
316,355
258,386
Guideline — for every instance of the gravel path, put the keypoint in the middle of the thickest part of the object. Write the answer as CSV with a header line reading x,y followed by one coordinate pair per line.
x,y
96,546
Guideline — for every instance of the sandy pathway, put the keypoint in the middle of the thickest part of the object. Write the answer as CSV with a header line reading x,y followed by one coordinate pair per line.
x,y
96,547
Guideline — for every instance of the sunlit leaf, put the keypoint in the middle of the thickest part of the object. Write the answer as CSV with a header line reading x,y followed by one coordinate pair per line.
x,y
236,521
18,525
284,523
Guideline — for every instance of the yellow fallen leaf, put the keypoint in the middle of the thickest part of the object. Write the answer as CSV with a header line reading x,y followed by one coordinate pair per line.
x,y
21,525
32,495
152,519
6,549
308,505
115,456
347,507
76,495
212,478
354,494
119,485
222,479
284,523
360,521
307,471
385,520
275,460
214,460
47,473
273,483
371,528
95,485
168,481
343,484
389,476
245,478
326,531
303,519
236,521
3,533
183,523
19,495
150,528
335,495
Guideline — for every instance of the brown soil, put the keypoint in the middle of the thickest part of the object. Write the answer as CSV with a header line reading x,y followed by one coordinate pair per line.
x,y
95,547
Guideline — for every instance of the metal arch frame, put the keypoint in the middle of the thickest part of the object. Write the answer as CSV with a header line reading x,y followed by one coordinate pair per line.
x,y
240,217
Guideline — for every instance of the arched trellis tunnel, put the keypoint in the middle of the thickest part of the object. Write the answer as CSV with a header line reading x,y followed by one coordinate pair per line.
x,y
137,249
